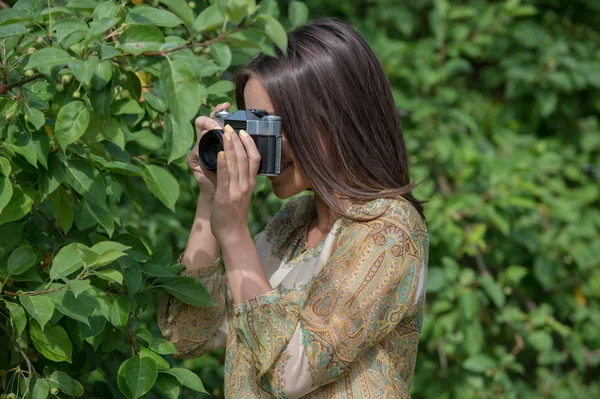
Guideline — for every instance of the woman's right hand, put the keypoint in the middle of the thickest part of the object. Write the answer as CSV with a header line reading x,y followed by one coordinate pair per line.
x,y
205,178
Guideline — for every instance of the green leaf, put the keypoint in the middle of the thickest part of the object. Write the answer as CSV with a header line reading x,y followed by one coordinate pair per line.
x,y
110,275
123,168
140,38
6,192
10,235
71,122
119,313
181,9
62,209
162,346
66,303
69,31
493,289
67,261
161,363
102,75
179,137
84,70
111,249
158,271
469,303
168,385
21,259
98,28
479,363
86,180
102,254
5,166
65,384
19,205
136,376
39,307
36,117
275,31
163,185
102,216
145,335
222,54
181,89
106,10
297,13
189,290
48,57
186,378
39,389
101,101
209,19
17,317
221,87
78,286
132,274
40,143
153,16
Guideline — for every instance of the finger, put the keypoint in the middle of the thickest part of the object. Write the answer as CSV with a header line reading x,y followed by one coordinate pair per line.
x,y
242,160
204,124
230,156
222,174
252,153
218,108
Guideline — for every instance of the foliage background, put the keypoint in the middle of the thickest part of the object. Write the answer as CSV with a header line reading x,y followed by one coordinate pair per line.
x,y
500,105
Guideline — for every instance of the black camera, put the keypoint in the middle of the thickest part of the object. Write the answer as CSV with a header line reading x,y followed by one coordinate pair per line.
x,y
264,129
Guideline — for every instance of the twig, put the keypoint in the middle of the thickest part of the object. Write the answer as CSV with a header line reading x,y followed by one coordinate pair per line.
x,y
443,184
519,344
529,304
59,231
29,365
442,354
4,5
21,83
37,292
481,264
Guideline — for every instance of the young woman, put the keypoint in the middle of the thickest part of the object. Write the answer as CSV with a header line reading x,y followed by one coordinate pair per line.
x,y
326,302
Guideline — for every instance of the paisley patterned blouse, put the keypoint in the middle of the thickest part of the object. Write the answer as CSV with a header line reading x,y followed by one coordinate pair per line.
x,y
343,320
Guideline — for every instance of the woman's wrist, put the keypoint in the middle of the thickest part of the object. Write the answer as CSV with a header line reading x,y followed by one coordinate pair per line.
x,y
234,238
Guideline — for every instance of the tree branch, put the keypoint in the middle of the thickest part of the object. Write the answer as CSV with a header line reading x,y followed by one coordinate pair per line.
x,y
16,344
59,231
21,83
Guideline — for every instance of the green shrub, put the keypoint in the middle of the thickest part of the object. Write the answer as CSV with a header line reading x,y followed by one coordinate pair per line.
x,y
97,102
500,103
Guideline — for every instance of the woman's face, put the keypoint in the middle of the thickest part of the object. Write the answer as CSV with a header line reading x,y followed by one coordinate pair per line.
x,y
292,179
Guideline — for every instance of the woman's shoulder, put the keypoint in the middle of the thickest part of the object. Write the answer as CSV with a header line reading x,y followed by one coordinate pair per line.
x,y
397,211
293,214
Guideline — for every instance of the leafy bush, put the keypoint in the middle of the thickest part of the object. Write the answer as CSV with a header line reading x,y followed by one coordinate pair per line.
x,y
500,103
97,101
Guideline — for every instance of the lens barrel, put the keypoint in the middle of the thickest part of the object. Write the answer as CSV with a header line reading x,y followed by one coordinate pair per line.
x,y
209,147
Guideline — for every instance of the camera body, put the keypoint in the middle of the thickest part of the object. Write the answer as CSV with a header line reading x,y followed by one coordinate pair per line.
x,y
264,129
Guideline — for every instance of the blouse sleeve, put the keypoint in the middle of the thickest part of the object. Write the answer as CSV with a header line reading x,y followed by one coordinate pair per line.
x,y
196,330
372,282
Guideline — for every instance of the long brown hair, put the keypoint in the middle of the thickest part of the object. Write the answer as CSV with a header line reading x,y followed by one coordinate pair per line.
x,y
332,93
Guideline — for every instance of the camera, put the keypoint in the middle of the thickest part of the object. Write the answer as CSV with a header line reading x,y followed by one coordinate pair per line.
x,y
264,129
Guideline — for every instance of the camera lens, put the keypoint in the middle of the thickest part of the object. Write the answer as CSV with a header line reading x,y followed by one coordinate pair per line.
x,y
209,147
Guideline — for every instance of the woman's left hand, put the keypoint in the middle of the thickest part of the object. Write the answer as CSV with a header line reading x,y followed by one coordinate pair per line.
x,y
237,167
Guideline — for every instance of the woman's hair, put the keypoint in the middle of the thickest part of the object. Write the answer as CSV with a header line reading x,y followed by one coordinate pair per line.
x,y
338,113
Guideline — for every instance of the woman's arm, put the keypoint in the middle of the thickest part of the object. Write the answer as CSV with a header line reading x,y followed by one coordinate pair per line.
x,y
197,330
202,247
